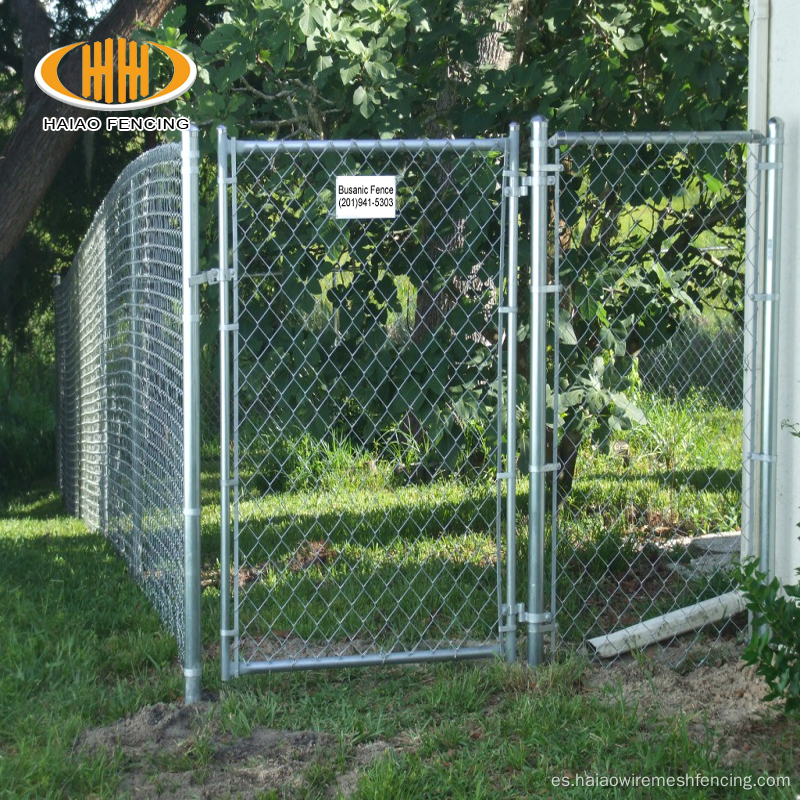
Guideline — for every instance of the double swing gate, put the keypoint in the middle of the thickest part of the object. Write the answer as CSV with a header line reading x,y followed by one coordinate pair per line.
x,y
464,395
390,386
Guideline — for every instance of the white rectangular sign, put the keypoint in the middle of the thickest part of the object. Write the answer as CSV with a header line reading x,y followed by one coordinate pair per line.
x,y
366,196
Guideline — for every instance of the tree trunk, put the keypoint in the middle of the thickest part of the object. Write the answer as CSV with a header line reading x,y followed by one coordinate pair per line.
x,y
32,157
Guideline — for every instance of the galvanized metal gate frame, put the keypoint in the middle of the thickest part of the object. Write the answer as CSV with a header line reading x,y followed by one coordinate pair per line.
x,y
227,275
762,259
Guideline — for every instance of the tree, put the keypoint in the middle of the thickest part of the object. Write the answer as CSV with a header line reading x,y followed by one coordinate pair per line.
x,y
412,68
32,157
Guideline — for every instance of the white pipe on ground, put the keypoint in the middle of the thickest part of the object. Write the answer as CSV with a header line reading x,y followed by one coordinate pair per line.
x,y
668,625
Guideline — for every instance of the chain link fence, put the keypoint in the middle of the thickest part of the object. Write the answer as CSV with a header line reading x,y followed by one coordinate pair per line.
x,y
120,378
366,408
648,246
369,454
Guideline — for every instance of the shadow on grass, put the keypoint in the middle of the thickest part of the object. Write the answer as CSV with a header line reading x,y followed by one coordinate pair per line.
x,y
39,501
704,479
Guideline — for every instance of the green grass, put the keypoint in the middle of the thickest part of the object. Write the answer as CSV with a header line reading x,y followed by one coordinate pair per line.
x,y
410,555
81,647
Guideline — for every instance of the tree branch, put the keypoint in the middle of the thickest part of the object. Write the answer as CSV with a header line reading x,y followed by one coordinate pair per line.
x,y
32,157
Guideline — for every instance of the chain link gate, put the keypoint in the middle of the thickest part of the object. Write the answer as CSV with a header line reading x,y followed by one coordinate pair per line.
x,y
659,338
366,486
369,500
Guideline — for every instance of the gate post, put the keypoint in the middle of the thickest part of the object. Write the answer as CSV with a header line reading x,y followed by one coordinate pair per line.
x,y
226,634
192,657
535,616
769,346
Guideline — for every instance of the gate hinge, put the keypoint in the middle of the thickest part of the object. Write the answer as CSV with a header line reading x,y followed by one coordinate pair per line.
x,y
516,186
537,623
541,177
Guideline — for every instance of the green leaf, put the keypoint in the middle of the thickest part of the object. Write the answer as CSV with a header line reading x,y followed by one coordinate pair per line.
x,y
221,37
348,73
566,333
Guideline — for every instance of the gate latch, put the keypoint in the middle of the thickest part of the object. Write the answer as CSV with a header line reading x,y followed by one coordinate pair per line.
x,y
210,276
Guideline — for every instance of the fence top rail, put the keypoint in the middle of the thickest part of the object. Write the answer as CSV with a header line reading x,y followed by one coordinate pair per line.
x,y
656,137
244,147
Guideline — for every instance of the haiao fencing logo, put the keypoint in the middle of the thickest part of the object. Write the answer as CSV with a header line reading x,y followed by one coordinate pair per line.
x,y
127,87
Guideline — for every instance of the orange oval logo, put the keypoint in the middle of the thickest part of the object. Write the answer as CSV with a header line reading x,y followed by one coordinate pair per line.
x,y
126,87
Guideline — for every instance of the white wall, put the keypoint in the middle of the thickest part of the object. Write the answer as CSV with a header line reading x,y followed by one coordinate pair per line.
x,y
777,94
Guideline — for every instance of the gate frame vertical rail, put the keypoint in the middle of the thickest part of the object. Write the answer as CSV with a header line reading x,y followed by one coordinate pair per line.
x,y
234,370
193,665
225,331
508,629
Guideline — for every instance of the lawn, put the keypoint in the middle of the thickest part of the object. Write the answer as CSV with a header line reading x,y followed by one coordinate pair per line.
x,y
83,649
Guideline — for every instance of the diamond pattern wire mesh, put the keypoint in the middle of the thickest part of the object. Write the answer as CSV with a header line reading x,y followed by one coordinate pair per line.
x,y
365,413
120,386
650,251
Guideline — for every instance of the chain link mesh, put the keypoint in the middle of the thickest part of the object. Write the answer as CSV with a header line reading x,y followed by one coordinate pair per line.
x,y
649,247
366,379
119,368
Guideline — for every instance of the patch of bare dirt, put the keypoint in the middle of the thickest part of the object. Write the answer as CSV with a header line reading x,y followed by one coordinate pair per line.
x,y
723,699
178,753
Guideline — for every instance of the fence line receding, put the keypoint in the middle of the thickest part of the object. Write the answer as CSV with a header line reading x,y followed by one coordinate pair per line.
x,y
120,378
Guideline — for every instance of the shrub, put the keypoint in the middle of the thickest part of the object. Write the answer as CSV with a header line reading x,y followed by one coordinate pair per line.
x,y
775,645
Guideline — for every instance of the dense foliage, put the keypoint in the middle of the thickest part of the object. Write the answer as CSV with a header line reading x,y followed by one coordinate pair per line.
x,y
330,69
327,68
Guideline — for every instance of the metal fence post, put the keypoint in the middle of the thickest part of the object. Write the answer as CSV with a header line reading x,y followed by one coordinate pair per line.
x,y
769,342
226,634
59,406
510,640
137,377
193,670
538,389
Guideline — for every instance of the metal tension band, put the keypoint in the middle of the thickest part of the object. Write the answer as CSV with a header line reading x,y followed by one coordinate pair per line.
x,y
762,457
516,190
507,628
227,634
229,483
545,468
503,476
507,310
536,619
543,168
191,512
549,288
193,672
191,318
209,276
761,298
770,165
231,326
